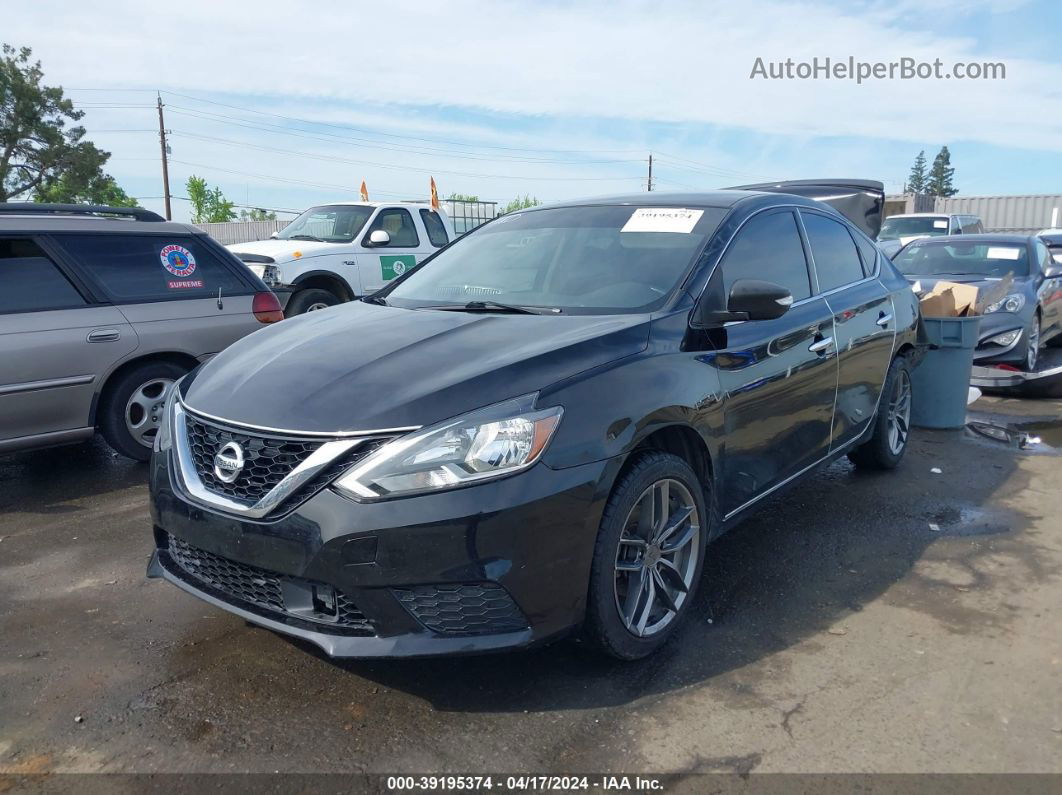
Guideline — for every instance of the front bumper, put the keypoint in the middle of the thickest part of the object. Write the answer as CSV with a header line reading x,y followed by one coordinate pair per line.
x,y
497,566
993,325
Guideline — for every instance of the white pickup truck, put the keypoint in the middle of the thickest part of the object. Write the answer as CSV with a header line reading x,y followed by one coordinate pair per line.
x,y
341,251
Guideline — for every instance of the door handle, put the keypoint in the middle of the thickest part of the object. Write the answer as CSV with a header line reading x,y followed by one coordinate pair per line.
x,y
104,335
821,345
884,320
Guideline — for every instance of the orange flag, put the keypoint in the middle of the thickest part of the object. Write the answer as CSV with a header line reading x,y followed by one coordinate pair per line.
x,y
434,195
364,192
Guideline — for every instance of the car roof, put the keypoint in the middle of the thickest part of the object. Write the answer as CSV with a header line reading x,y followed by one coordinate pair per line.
x,y
34,221
981,238
713,198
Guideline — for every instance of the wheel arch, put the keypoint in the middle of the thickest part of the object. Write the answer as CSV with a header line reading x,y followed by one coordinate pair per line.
x,y
325,280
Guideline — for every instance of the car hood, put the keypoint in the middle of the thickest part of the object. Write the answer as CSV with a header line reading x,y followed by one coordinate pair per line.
x,y
362,367
283,250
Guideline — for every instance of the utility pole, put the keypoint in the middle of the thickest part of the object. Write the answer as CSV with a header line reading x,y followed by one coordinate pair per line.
x,y
165,165
648,184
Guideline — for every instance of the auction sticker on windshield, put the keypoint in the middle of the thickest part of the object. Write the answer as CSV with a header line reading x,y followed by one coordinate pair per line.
x,y
177,260
662,219
1003,252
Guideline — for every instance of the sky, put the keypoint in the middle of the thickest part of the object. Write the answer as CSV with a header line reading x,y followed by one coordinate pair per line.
x,y
285,105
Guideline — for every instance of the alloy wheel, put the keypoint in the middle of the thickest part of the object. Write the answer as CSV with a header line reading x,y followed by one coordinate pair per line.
x,y
143,410
1033,349
656,560
899,412
316,306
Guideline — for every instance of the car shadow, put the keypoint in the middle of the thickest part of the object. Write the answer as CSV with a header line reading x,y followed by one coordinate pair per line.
x,y
793,570
46,481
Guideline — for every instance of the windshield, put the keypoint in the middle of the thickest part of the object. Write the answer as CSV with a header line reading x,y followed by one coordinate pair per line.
x,y
986,260
332,223
895,228
590,260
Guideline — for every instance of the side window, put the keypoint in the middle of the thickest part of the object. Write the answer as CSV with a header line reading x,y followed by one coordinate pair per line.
x,y
133,268
398,223
1043,255
956,226
836,259
868,252
436,228
30,281
976,228
768,247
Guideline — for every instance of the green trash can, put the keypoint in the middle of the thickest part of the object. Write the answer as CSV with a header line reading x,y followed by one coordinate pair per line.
x,y
940,384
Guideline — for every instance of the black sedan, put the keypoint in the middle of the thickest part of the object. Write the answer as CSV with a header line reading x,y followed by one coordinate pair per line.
x,y
1017,324
542,427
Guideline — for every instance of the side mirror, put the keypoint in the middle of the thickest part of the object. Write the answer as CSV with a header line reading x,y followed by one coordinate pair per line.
x,y
1054,269
275,236
379,238
758,300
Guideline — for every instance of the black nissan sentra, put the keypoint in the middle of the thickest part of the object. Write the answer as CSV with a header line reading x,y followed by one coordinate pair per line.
x,y
541,428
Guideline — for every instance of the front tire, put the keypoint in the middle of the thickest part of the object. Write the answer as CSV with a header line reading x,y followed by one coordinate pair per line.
x,y
131,409
648,557
892,424
310,300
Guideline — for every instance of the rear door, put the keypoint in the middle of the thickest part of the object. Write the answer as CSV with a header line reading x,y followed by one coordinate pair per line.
x,y
408,246
55,342
179,292
863,318
779,376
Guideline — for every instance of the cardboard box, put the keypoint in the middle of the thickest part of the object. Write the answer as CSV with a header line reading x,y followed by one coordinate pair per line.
x,y
949,299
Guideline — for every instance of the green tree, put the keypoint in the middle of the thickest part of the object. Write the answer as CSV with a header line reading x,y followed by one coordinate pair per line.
x,y
462,197
941,174
40,155
520,204
257,214
209,205
916,181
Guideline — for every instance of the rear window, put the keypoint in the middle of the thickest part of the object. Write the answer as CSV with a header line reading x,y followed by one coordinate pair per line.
x,y
152,267
436,229
30,281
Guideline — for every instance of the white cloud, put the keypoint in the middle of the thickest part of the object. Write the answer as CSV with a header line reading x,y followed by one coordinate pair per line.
x,y
682,62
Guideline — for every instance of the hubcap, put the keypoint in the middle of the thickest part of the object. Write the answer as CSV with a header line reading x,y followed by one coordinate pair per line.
x,y
1034,345
143,411
657,557
318,305
899,417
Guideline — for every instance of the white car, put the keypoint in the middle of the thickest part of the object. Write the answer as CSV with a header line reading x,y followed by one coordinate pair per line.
x,y
341,251
899,230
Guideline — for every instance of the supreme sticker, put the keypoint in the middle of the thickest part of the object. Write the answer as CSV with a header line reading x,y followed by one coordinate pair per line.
x,y
662,219
177,260
185,284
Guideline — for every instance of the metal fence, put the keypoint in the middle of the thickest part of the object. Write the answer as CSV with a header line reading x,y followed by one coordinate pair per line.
x,y
1016,214
241,231
466,216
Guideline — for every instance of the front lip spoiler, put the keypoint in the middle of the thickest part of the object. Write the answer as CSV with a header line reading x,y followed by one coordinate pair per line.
x,y
414,645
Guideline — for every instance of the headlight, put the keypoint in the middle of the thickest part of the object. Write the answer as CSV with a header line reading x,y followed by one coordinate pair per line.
x,y
1012,303
270,274
164,436
488,443
1005,339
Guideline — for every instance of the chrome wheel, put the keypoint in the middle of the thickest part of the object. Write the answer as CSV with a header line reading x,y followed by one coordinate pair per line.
x,y
316,306
143,410
1033,352
899,416
657,557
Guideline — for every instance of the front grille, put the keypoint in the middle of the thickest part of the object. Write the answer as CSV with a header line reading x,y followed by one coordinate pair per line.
x,y
267,459
255,587
463,608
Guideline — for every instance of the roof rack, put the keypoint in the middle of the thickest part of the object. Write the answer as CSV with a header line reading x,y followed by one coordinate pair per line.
x,y
35,208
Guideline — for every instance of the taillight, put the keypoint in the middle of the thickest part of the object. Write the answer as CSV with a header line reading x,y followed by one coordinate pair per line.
x,y
266,308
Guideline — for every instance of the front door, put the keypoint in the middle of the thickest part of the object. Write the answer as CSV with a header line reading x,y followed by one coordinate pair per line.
x,y
379,264
779,377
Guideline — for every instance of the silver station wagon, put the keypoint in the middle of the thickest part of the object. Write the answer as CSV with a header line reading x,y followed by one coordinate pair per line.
x,y
102,309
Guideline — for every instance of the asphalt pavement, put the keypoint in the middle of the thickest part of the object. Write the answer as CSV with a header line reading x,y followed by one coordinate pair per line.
x,y
900,622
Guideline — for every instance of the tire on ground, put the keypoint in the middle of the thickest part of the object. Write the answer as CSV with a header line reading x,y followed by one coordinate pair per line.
x,y
875,452
111,415
302,300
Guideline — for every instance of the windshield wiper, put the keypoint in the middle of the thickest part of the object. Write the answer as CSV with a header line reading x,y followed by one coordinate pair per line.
x,y
375,299
306,237
494,306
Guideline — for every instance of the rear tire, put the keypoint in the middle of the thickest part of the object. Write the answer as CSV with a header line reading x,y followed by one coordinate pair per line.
x,y
310,300
131,408
885,447
648,557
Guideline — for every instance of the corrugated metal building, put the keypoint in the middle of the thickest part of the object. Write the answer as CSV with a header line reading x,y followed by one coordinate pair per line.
x,y
1012,214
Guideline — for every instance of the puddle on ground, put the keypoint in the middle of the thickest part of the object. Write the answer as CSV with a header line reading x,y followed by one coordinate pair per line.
x,y
969,521
1037,437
